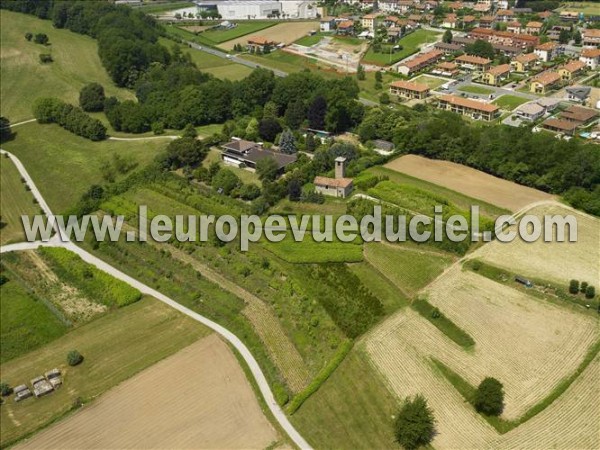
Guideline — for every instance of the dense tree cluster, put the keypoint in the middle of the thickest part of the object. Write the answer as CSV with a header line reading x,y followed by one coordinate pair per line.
x,y
72,118
489,397
415,424
91,97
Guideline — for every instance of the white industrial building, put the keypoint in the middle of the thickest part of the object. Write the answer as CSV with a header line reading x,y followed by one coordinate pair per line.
x,y
261,9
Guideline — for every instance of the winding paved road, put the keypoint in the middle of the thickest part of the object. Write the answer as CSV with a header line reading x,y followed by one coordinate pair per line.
x,y
61,240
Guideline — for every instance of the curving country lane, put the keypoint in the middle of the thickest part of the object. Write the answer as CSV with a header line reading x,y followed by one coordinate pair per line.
x,y
60,240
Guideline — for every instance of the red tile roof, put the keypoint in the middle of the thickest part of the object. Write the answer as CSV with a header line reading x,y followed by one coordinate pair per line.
x,y
467,103
411,86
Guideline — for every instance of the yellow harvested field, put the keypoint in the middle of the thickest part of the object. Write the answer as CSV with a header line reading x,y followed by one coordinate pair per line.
x,y
570,422
530,345
284,32
556,261
468,181
197,398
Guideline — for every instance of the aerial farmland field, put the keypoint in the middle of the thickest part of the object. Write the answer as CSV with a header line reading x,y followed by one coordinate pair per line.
x,y
194,405
283,32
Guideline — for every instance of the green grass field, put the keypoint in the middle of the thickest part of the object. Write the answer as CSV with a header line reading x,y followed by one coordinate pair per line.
x,y
407,267
460,200
64,166
384,289
510,102
246,176
290,63
309,41
15,201
410,44
475,89
432,82
24,78
242,29
590,8
26,322
115,347
215,65
352,409
315,252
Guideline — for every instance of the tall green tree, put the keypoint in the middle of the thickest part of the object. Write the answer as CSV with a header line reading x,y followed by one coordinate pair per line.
x,y
266,169
415,424
489,398
447,38
295,114
287,142
317,112
91,97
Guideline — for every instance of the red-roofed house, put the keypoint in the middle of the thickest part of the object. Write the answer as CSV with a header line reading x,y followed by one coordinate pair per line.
x,y
408,89
467,107
590,57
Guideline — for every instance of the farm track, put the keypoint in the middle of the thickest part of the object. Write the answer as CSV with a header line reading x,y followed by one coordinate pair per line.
x,y
60,240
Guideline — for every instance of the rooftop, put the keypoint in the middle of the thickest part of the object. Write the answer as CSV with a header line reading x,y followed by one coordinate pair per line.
x,y
578,114
335,182
547,78
467,103
527,57
573,66
499,70
564,125
411,86
546,46
531,109
590,52
470,59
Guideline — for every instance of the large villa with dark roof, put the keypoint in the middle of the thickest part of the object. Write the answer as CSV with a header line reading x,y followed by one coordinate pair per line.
x,y
242,153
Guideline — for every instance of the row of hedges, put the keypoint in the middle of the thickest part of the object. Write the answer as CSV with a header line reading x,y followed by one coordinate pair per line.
x,y
71,118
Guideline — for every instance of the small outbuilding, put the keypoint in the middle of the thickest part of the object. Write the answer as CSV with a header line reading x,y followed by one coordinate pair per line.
x,y
340,186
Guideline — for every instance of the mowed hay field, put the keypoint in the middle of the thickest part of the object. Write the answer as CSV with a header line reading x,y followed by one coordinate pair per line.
x,y
468,181
24,78
287,32
558,262
197,398
396,349
15,201
530,345
115,347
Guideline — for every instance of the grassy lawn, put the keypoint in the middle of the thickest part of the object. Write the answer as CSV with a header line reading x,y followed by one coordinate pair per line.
x,y
460,200
215,65
406,266
309,41
349,40
476,90
242,29
15,201
410,44
115,347
309,251
384,290
432,82
352,410
287,62
510,102
591,8
24,78
64,166
208,130
26,322
367,86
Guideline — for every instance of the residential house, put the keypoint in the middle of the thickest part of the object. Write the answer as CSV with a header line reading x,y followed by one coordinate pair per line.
x,y
579,94
496,75
448,49
467,107
544,82
530,112
410,90
569,16
590,37
554,32
571,69
468,21
560,126
340,186
471,62
393,21
547,52
504,37
548,103
534,28
419,62
369,22
579,115
258,44
367,4
524,62
345,28
482,7
449,21
242,153
446,69
327,24
486,22
505,15
590,57
514,27
545,15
